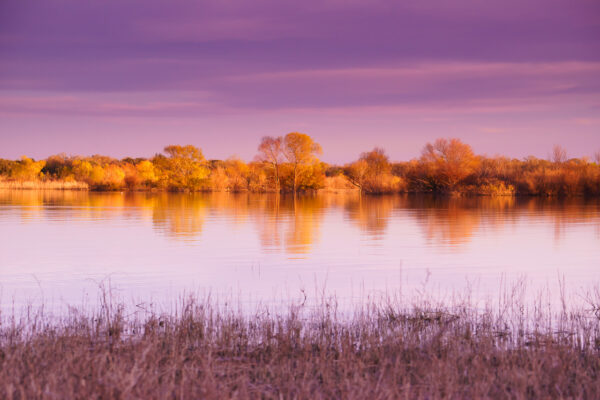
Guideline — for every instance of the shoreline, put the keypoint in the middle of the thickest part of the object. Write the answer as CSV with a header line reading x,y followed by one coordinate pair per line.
x,y
84,187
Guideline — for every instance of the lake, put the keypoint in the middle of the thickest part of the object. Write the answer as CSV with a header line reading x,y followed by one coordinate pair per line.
x,y
59,247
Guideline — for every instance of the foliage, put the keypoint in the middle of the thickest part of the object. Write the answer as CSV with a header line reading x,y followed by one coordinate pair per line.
x,y
372,173
303,177
184,169
289,164
446,163
27,169
299,150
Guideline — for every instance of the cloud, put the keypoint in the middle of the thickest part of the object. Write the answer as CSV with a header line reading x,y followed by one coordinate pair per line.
x,y
587,121
70,45
419,88
145,105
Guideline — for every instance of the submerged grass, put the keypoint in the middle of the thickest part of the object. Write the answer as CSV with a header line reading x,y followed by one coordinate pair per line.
x,y
380,351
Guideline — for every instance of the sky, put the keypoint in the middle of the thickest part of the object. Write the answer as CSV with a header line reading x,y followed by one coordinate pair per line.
x,y
128,77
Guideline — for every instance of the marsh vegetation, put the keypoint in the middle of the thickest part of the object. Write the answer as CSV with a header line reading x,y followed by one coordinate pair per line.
x,y
382,350
290,164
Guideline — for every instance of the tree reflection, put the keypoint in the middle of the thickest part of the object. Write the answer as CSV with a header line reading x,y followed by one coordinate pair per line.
x,y
302,226
371,213
180,216
292,224
289,223
447,221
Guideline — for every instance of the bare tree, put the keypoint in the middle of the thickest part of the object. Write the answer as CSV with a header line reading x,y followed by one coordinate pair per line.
x,y
559,154
271,152
356,173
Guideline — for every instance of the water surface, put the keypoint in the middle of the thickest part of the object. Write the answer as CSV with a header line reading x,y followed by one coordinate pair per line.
x,y
59,247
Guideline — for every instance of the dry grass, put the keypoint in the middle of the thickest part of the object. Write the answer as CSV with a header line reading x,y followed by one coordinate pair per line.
x,y
43,185
379,352
337,184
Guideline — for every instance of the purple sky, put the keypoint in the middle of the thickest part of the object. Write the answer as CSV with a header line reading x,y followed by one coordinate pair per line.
x,y
127,77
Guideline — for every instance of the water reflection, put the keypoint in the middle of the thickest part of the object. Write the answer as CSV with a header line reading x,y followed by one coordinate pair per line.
x,y
454,221
371,214
179,216
302,228
293,224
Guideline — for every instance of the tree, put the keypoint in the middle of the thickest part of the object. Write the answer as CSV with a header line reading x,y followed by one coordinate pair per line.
x,y
184,168
27,169
188,152
299,149
82,170
236,172
357,173
271,152
145,171
309,176
450,160
114,177
377,161
372,172
559,154
6,166
57,166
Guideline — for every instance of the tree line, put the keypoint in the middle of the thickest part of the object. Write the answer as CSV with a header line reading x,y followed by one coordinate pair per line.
x,y
290,163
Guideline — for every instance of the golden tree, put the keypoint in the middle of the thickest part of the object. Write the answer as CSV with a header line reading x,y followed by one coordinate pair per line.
x,y
451,161
146,173
377,161
184,168
299,150
27,169
372,172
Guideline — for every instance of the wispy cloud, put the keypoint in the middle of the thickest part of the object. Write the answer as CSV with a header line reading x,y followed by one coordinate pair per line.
x,y
419,88
587,121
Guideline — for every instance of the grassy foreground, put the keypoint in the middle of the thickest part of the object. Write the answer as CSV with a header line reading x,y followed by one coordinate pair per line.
x,y
380,352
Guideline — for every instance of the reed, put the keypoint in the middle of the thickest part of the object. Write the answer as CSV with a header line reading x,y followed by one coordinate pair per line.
x,y
380,351
43,185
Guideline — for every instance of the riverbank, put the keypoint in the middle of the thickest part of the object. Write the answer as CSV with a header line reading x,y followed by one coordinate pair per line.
x,y
335,185
447,167
380,351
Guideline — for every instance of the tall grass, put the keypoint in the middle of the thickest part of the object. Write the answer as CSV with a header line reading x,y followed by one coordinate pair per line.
x,y
380,351
43,185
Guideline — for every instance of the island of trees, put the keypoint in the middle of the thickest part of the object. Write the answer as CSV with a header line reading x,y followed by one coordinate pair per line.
x,y
290,163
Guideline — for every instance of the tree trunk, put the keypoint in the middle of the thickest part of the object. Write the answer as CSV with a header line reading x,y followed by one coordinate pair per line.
x,y
277,189
295,177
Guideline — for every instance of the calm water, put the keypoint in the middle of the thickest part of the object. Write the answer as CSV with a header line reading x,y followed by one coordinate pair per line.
x,y
58,247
